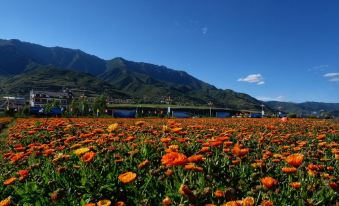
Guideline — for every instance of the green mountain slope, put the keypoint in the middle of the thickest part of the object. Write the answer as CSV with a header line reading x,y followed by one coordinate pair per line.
x,y
144,79
144,82
17,56
55,79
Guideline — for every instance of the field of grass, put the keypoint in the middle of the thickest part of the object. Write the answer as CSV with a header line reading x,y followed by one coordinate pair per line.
x,y
90,161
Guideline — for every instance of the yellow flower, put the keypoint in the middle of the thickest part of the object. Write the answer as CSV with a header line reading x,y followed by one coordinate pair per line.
x,y
127,177
81,151
112,127
139,123
104,203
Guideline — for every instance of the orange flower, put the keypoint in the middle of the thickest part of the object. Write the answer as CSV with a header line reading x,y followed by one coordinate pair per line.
x,y
248,201
266,203
176,129
269,182
196,158
127,177
143,164
233,203
237,151
169,172
90,204
314,167
321,136
289,169
295,185
6,202
166,201
204,149
295,159
119,203
139,123
104,203
219,193
54,196
10,181
174,159
23,172
88,157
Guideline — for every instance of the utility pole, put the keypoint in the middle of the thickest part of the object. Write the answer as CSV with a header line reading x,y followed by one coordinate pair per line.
x,y
262,109
210,103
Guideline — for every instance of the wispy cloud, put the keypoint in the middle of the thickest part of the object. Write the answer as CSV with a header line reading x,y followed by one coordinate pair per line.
x,y
332,76
320,68
204,30
253,78
278,98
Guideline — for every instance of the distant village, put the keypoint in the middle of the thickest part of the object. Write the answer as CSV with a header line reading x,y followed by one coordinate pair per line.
x,y
64,103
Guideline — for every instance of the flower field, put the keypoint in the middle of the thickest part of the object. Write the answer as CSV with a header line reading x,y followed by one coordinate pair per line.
x,y
88,161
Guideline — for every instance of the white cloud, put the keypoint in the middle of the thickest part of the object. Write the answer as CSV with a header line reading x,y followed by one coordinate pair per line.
x,y
278,98
253,78
331,74
332,77
204,30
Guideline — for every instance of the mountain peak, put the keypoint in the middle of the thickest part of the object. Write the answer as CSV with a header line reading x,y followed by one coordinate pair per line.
x,y
144,81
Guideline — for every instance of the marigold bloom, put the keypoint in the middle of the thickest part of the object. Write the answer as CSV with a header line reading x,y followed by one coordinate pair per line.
x,y
165,128
112,127
266,203
314,167
88,157
295,185
237,151
119,203
127,177
81,151
17,157
295,159
176,129
166,201
233,203
248,201
174,159
6,202
189,166
204,149
23,174
269,182
104,203
143,164
10,181
54,196
169,172
196,158
219,193
289,169
90,204
139,123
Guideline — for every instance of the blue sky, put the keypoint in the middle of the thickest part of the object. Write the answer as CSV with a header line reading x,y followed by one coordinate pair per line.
x,y
273,50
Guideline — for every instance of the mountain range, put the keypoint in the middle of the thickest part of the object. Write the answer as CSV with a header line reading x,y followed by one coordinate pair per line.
x,y
25,66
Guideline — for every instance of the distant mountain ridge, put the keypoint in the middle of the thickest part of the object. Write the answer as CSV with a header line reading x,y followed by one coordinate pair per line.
x,y
305,108
25,66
